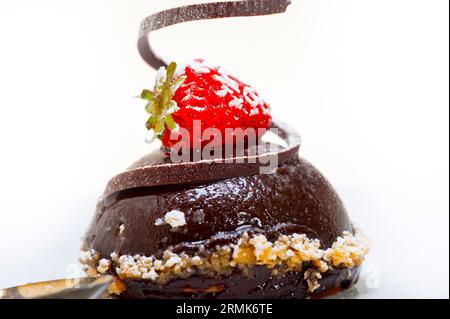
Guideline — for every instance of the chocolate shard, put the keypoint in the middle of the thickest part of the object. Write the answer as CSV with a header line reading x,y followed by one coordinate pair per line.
x,y
204,11
150,172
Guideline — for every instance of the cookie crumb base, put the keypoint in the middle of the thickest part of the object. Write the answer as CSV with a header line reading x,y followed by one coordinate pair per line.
x,y
260,285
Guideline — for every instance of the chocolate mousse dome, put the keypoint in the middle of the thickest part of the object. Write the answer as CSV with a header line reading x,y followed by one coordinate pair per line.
x,y
296,199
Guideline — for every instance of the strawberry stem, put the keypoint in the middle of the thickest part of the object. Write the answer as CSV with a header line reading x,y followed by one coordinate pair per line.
x,y
160,104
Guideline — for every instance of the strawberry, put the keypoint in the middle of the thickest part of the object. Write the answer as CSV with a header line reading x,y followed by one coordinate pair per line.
x,y
200,92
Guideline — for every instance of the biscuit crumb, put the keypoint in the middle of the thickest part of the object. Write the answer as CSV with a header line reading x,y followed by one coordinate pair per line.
x,y
287,253
121,229
174,218
103,266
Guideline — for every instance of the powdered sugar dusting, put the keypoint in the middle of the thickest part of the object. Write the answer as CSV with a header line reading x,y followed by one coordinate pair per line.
x,y
234,93
200,67
237,103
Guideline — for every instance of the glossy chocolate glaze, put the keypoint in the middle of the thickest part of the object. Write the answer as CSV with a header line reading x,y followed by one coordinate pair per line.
x,y
297,198
260,285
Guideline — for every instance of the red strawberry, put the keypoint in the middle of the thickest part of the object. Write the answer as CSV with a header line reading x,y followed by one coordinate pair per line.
x,y
200,92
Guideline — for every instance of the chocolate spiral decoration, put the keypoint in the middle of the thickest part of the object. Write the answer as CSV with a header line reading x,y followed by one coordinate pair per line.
x,y
204,11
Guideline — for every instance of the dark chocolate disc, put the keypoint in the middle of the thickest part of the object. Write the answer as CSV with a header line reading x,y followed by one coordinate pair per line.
x,y
147,173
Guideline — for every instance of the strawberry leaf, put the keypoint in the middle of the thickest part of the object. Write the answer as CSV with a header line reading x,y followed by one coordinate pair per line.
x,y
151,122
147,95
170,73
159,127
170,122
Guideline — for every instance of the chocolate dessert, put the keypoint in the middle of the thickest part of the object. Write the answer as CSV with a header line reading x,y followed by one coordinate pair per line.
x,y
241,220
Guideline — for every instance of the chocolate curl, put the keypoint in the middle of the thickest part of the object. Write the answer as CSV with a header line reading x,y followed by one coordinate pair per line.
x,y
204,11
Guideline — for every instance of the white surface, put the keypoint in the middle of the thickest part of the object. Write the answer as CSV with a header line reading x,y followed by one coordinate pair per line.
x,y
365,82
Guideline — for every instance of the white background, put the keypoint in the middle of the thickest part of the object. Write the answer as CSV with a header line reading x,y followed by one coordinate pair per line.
x,y
365,83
